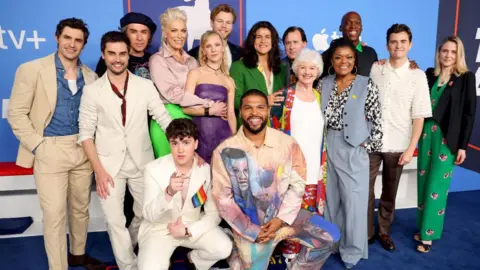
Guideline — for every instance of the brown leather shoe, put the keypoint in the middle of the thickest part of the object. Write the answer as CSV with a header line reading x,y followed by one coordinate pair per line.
x,y
85,261
386,242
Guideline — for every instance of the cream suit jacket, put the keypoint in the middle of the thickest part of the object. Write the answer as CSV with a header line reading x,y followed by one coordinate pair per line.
x,y
101,120
157,212
33,101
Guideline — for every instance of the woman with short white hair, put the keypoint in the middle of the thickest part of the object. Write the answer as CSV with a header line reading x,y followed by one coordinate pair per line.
x,y
300,116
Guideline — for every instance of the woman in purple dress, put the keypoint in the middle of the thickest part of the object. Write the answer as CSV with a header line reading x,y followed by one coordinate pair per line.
x,y
211,81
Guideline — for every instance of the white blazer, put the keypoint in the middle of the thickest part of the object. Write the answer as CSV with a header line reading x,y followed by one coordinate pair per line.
x,y
157,212
101,119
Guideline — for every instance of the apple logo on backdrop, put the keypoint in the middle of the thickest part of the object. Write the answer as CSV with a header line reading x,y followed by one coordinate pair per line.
x,y
320,41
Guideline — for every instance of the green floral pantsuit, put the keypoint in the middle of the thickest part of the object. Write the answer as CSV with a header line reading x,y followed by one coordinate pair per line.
x,y
435,168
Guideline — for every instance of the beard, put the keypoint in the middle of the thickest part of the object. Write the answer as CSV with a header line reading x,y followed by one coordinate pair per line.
x,y
254,131
117,72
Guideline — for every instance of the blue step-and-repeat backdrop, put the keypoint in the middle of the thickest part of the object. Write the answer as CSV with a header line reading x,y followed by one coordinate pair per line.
x,y
27,32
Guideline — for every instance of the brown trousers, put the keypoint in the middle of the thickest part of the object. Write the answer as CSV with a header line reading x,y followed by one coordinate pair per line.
x,y
391,174
63,177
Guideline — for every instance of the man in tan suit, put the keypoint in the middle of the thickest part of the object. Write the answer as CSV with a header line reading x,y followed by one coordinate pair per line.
x,y
43,114
114,135
176,188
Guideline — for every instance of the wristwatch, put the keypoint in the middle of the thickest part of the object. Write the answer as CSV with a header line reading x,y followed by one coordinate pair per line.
x,y
206,107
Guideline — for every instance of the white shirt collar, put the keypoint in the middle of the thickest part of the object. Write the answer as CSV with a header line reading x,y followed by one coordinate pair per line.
x,y
400,72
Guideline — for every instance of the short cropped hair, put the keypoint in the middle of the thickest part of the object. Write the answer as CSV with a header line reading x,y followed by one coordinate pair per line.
x,y
399,28
253,92
114,37
223,8
170,15
308,56
181,128
75,24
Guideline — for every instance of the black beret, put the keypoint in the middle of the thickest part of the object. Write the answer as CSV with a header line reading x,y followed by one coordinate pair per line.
x,y
134,17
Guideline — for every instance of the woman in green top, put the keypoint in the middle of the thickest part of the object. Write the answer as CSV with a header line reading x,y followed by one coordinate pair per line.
x,y
260,68
445,136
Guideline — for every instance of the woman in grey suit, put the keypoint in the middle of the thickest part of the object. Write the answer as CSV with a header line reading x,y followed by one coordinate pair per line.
x,y
351,107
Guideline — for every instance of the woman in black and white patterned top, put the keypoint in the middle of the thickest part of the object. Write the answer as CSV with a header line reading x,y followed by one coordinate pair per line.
x,y
335,108
352,112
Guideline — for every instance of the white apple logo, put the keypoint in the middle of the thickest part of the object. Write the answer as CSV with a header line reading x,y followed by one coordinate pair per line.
x,y
320,41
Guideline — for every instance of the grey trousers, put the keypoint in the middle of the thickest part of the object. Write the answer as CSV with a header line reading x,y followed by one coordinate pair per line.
x,y
347,195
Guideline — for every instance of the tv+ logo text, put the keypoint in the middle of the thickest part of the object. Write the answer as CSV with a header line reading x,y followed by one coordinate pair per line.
x,y
18,38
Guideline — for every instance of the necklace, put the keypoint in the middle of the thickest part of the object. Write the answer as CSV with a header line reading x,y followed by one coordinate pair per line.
x,y
214,70
444,80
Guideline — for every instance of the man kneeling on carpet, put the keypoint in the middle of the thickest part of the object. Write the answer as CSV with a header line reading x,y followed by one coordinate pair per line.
x,y
176,188
258,183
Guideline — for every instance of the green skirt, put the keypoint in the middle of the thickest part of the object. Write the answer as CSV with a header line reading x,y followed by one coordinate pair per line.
x,y
159,139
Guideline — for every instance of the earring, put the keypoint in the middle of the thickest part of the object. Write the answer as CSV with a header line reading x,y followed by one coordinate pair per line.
x,y
328,71
356,70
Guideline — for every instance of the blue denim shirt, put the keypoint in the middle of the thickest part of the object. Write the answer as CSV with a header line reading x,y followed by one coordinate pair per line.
x,y
65,117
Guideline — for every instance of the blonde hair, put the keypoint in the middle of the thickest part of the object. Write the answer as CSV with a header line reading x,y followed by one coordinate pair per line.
x,y
202,58
460,65
171,14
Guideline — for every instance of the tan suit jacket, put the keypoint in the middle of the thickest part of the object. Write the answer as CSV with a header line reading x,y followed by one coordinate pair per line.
x,y
101,119
32,103
158,212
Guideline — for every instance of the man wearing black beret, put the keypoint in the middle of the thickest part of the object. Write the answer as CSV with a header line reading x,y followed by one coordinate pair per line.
x,y
139,29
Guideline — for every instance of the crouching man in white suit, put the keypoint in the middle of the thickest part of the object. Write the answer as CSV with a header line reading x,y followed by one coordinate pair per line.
x,y
176,188
114,135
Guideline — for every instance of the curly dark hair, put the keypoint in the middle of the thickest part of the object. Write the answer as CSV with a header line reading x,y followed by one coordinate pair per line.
x,y
250,58
342,43
181,128
75,24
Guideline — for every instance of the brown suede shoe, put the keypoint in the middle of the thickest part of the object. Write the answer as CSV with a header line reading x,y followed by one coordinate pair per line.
x,y
85,261
386,241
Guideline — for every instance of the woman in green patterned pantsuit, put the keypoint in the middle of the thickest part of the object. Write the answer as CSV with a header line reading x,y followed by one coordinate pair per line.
x,y
445,136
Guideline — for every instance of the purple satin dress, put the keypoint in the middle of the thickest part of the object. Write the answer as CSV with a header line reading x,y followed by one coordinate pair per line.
x,y
213,130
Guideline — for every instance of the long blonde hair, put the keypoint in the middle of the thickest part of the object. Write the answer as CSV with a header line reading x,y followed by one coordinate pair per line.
x,y
202,58
460,65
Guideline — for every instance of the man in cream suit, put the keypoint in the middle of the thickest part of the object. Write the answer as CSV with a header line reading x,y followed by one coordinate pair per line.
x,y
114,135
176,188
43,113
